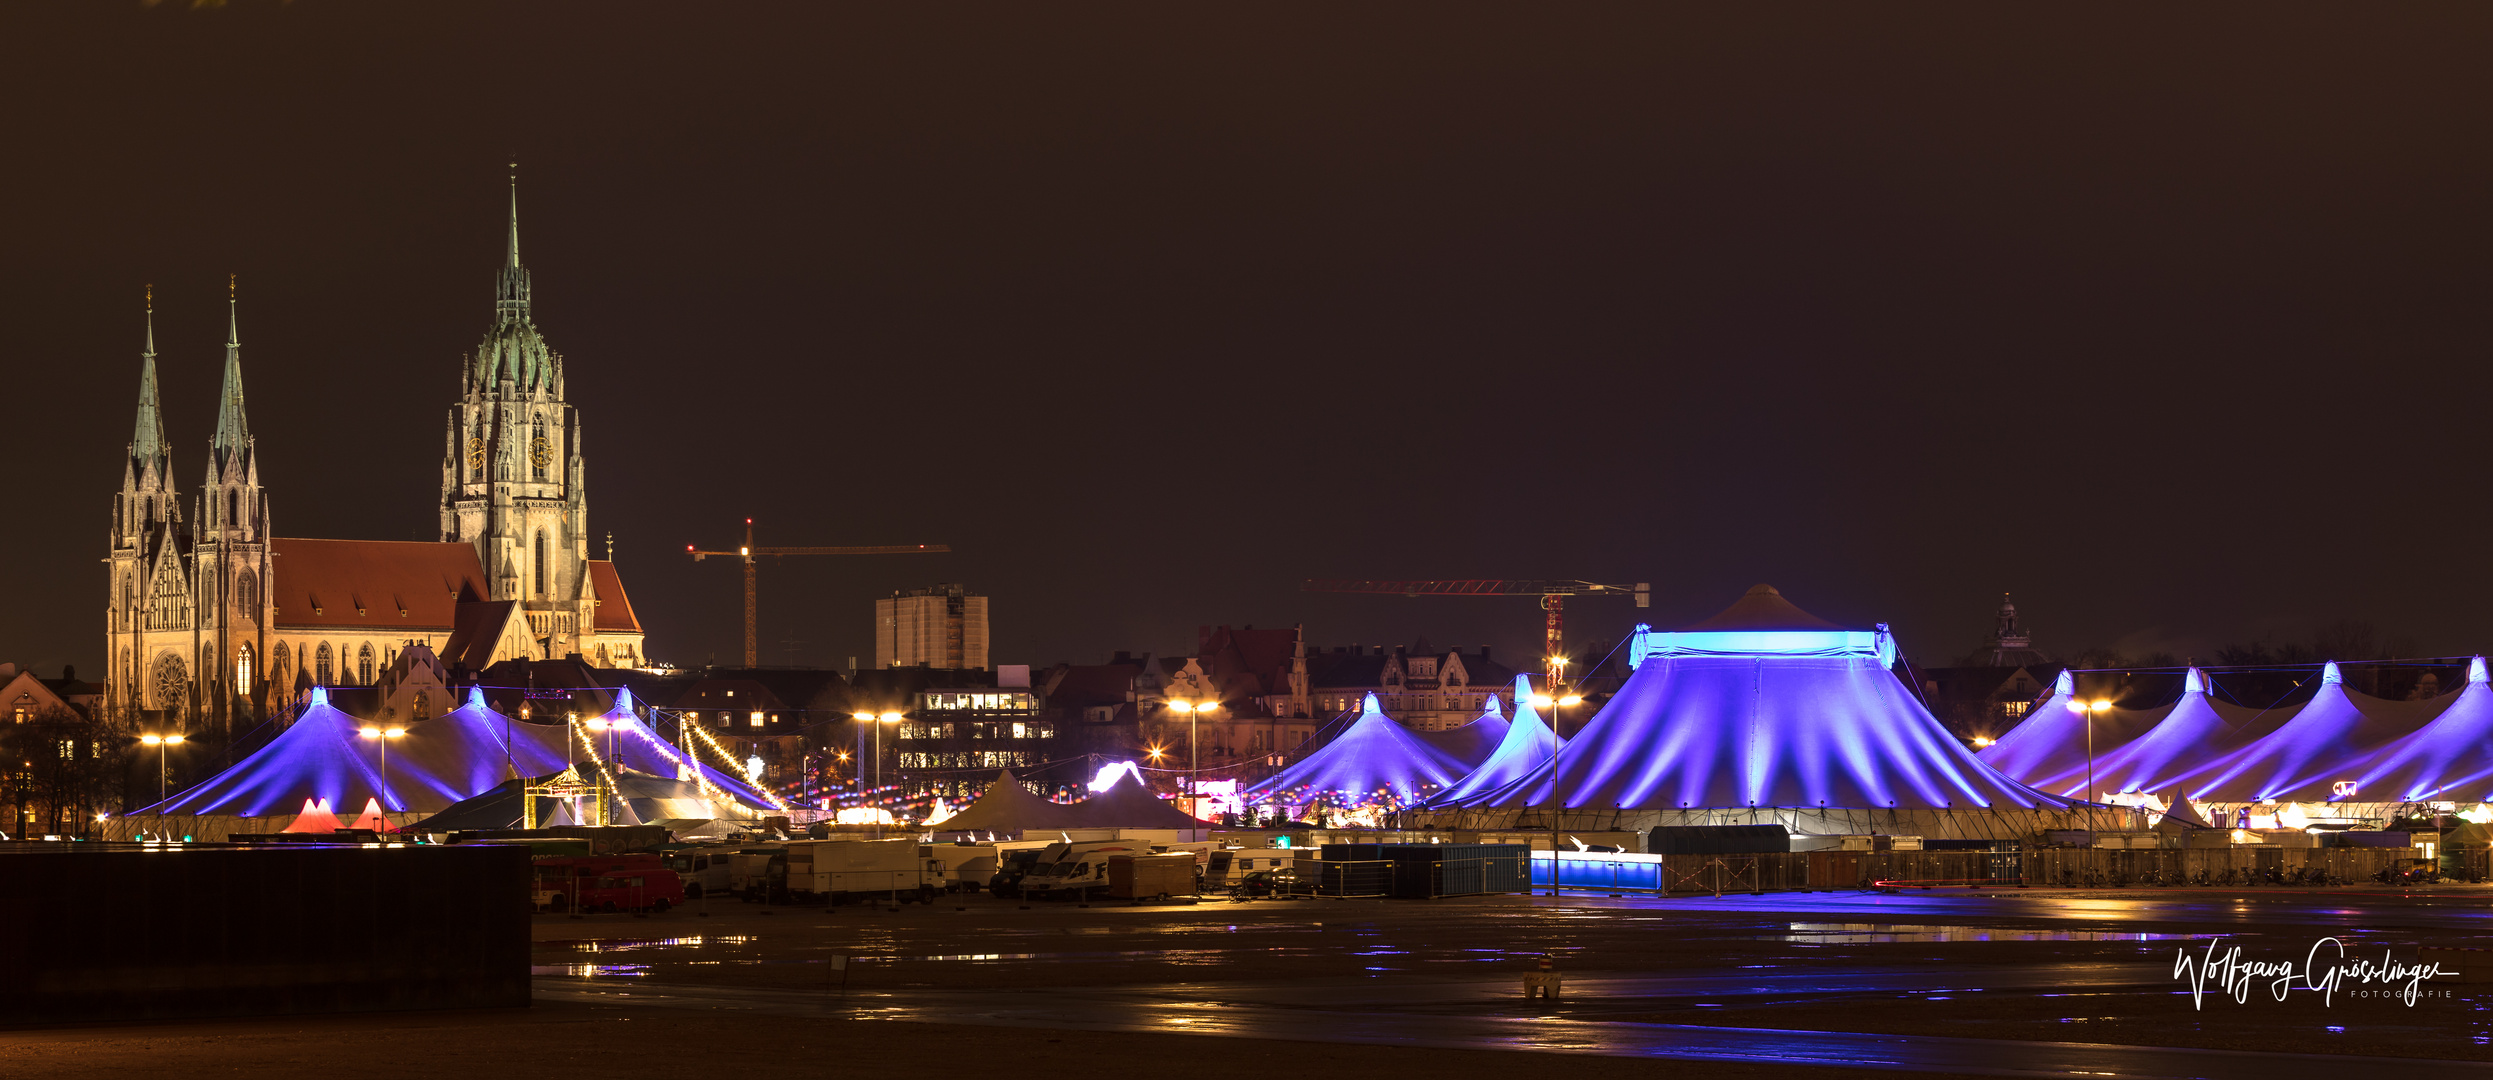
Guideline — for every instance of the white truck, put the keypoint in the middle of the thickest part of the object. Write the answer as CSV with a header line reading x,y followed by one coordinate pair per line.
x,y
1078,869
841,870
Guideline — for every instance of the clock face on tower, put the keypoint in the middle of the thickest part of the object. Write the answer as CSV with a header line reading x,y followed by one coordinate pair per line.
x,y
540,452
476,454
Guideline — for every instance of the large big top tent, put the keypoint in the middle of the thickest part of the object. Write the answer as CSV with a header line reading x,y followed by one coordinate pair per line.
x,y
1528,743
324,755
1374,761
2304,757
2449,759
1472,743
1766,713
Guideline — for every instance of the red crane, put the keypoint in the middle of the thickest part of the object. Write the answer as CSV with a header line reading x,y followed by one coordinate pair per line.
x,y
748,551
1553,596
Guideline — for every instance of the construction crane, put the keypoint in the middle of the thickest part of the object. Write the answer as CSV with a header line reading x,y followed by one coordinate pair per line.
x,y
748,553
1553,596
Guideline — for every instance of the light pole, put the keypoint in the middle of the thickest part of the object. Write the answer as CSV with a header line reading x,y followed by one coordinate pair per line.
x,y
1194,755
382,736
878,722
1545,701
160,742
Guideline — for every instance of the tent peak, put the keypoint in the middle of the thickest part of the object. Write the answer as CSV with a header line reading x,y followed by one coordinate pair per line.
x,y
1763,608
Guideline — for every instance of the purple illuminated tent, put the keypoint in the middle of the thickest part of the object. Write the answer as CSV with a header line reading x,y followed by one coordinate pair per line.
x,y
1766,707
1528,743
2450,758
322,756
2323,742
1374,760
1472,743
2052,735
2190,732
631,742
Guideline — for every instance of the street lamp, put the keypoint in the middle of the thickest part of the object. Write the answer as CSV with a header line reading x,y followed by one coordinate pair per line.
x,y
1194,753
160,742
878,722
382,736
2089,710
1545,701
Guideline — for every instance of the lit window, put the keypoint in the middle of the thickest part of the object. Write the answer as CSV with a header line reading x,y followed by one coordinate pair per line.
x,y
757,719
2015,709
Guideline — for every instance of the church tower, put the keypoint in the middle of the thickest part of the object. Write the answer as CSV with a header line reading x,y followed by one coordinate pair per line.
x,y
231,563
511,471
148,616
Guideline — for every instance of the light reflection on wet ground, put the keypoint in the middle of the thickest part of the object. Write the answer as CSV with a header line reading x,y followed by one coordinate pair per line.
x,y
1888,933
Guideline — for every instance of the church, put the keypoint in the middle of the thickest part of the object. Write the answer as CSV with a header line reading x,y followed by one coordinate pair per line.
x,y
214,620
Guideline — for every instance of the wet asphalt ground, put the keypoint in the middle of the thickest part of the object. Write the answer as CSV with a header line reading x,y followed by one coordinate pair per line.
x,y
1801,985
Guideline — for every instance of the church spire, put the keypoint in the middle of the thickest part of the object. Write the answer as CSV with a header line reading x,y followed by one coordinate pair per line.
x,y
148,440
514,263
511,290
233,430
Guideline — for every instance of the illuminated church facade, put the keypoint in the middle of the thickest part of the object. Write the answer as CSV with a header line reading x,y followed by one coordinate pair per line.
x,y
212,616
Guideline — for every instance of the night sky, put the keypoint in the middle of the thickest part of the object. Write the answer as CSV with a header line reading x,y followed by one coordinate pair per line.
x,y
2174,324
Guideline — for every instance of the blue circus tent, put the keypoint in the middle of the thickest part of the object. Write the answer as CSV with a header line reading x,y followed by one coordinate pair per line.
x,y
436,763
2450,758
634,744
1766,706
1374,759
2052,735
2190,731
2303,758
1473,742
1528,743
323,755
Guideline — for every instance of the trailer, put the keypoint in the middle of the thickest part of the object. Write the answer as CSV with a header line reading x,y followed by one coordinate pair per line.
x,y
758,874
706,871
1137,878
837,871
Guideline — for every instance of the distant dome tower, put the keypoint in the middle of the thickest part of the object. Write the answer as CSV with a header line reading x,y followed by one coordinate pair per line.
x,y
2010,645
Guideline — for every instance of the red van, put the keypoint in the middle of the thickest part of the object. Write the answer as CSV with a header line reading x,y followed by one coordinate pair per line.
x,y
636,889
561,878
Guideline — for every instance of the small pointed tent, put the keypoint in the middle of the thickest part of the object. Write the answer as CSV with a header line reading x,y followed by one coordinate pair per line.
x,y
315,818
1472,743
1127,804
2450,758
1007,807
1375,759
372,818
1528,743
1765,706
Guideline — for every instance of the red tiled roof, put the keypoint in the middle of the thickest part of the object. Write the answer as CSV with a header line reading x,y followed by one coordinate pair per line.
x,y
614,609
324,583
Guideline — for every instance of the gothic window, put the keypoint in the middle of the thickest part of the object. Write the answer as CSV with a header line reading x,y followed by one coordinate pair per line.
x,y
604,659
363,666
172,682
540,453
247,594
540,563
323,666
279,672
242,668
233,506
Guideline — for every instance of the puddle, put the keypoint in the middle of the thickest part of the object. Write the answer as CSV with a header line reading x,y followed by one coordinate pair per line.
x,y
1882,933
629,944
585,971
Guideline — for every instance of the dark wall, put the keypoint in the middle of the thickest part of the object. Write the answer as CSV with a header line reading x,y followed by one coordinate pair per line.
x,y
125,934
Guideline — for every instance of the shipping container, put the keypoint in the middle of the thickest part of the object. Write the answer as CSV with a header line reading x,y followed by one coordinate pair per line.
x,y
1153,877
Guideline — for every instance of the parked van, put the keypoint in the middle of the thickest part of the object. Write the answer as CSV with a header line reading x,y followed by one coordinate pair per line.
x,y
758,874
1078,869
705,871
